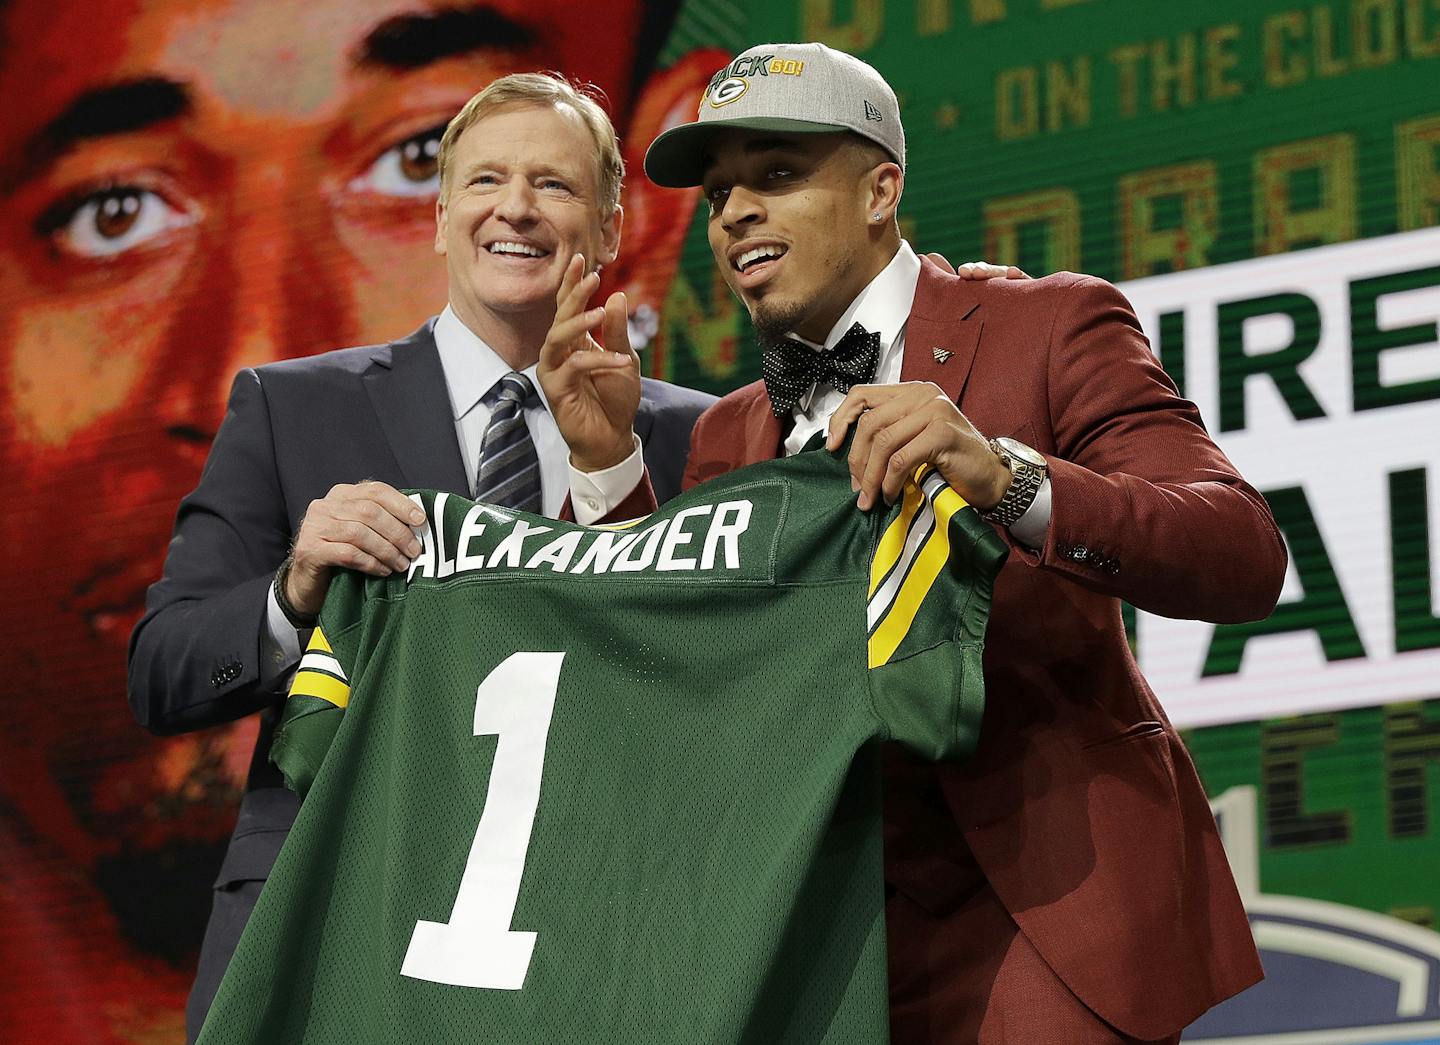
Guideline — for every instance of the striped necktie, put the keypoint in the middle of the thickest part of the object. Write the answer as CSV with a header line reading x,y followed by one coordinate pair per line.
x,y
509,473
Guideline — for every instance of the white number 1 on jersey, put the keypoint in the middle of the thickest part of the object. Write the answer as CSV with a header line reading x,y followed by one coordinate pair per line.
x,y
477,947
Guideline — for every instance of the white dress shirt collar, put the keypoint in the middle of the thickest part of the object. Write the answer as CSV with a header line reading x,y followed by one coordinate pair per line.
x,y
471,366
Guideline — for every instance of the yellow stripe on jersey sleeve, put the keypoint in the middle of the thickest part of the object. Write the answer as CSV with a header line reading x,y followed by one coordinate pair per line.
x,y
892,541
319,674
316,684
886,638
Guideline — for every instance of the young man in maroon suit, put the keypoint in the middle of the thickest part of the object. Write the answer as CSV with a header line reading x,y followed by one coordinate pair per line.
x,y
1067,884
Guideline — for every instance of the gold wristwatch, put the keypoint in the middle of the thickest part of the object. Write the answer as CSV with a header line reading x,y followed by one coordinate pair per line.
x,y
1027,472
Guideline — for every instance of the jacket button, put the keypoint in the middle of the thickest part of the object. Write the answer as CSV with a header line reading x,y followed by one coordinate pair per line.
x,y
1080,553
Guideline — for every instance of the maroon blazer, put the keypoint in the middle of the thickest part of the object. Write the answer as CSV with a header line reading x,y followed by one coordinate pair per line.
x,y
1081,807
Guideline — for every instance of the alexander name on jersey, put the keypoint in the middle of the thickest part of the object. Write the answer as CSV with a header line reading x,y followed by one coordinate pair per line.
x,y
458,537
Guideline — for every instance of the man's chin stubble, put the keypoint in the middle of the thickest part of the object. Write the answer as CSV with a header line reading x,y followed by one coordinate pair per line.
x,y
774,320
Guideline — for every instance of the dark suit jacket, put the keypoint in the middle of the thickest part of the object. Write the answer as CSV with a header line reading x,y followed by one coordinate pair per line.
x,y
1081,806
293,430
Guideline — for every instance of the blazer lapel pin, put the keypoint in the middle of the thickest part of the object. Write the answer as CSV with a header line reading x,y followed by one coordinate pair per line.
x,y
942,355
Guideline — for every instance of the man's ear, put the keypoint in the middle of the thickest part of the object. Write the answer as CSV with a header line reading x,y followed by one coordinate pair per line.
x,y
887,182
657,220
610,237
440,219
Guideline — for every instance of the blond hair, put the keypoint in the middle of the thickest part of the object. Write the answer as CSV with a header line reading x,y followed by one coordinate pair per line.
x,y
545,89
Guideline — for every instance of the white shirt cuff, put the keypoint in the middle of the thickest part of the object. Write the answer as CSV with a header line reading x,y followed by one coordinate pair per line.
x,y
281,644
1030,528
594,495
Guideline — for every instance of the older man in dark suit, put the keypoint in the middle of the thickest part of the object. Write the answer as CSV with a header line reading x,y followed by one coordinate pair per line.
x,y
1067,884
302,476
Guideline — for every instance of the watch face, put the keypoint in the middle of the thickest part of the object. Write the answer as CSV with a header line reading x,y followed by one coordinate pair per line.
x,y
1019,450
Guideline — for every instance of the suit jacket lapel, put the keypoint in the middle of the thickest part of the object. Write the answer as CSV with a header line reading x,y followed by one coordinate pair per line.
x,y
407,388
644,420
943,332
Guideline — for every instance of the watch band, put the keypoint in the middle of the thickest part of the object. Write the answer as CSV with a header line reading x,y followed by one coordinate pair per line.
x,y
300,621
1025,480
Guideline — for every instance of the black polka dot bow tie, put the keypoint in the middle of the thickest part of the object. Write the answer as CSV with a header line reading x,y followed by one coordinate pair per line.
x,y
791,368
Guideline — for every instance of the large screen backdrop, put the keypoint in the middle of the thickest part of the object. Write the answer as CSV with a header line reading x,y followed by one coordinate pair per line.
x,y
191,187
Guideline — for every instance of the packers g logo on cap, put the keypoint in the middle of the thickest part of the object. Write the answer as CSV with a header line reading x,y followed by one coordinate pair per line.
x,y
726,91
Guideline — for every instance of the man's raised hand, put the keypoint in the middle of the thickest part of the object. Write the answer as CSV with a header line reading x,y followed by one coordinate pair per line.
x,y
593,392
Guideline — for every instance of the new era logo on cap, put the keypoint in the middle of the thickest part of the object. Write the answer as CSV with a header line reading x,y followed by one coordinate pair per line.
x,y
872,113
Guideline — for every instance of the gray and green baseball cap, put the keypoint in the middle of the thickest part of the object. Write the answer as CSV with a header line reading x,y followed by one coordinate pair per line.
x,y
797,88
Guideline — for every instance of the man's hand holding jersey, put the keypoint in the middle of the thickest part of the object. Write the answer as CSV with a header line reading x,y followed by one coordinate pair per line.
x,y
365,527
899,427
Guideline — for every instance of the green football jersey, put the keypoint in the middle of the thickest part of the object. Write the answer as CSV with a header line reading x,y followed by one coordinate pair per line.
x,y
580,784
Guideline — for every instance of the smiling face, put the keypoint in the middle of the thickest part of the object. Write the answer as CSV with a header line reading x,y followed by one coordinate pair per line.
x,y
524,198
791,228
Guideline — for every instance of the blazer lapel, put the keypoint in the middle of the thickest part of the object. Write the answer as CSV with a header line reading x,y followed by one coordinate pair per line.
x,y
761,433
943,332
407,389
